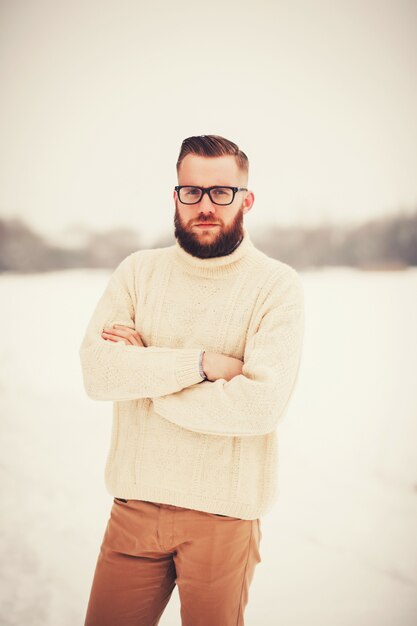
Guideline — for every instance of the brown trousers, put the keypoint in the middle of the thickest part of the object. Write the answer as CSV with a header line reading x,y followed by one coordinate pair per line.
x,y
149,547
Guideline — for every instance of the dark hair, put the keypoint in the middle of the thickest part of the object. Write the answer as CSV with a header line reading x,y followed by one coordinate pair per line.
x,y
213,146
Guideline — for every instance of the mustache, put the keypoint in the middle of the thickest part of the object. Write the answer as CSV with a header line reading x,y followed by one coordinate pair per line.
x,y
204,220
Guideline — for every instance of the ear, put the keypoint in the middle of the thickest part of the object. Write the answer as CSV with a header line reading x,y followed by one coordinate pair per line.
x,y
248,201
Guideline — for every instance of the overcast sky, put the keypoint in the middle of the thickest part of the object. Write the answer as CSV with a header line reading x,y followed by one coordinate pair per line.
x,y
97,96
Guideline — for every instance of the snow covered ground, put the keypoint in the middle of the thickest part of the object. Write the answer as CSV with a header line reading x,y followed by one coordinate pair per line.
x,y
339,547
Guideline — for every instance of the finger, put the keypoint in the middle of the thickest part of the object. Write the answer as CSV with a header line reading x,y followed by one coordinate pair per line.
x,y
123,327
127,332
120,332
135,341
110,338
127,329
129,340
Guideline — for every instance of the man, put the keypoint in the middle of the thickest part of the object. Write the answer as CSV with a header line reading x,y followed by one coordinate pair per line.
x,y
198,345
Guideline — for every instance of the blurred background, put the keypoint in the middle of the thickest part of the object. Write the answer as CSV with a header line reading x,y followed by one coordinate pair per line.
x,y
97,97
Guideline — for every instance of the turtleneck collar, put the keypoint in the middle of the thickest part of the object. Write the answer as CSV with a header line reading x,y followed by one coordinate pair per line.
x,y
218,266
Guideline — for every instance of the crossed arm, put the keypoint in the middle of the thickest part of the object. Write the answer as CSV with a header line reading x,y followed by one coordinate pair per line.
x,y
215,365
240,398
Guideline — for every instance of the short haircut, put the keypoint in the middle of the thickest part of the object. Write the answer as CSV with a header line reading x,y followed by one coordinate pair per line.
x,y
213,146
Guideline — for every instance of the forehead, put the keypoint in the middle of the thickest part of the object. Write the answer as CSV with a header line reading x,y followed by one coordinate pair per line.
x,y
207,171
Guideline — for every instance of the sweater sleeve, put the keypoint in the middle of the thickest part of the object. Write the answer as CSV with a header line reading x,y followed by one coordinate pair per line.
x,y
116,371
252,402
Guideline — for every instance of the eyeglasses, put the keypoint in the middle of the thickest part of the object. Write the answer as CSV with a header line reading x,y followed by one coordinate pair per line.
x,y
218,195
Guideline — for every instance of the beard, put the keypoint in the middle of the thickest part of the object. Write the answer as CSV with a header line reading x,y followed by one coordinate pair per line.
x,y
226,240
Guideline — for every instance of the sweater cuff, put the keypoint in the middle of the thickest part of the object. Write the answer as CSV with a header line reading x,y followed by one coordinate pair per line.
x,y
187,367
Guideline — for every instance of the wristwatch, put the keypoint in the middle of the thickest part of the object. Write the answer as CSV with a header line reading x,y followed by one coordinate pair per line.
x,y
200,364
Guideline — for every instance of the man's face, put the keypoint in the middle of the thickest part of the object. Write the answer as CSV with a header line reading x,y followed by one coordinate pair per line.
x,y
192,228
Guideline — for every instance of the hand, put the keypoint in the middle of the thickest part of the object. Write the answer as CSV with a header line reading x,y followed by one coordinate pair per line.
x,y
126,334
217,366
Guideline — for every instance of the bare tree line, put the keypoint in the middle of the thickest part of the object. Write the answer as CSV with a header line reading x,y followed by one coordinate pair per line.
x,y
385,243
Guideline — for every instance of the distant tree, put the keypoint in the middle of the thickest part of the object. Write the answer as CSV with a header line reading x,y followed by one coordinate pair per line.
x,y
400,239
379,243
388,242
108,248
21,249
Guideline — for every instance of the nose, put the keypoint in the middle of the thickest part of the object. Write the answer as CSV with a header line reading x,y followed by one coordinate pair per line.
x,y
205,205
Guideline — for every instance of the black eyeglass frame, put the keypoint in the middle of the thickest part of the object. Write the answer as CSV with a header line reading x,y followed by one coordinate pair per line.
x,y
207,190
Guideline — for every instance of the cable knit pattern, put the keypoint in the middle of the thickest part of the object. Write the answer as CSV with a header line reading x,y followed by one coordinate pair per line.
x,y
210,446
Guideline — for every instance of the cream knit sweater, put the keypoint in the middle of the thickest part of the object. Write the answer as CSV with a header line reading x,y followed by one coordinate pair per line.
x,y
210,446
